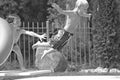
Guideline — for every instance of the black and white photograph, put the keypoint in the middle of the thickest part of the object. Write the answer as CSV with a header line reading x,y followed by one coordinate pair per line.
x,y
59,39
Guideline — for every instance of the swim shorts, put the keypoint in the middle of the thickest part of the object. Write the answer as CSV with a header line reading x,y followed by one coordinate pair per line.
x,y
59,42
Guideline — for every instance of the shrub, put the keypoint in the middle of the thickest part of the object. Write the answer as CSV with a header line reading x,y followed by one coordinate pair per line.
x,y
106,33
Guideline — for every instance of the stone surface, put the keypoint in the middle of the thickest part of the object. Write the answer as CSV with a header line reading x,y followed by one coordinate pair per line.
x,y
53,61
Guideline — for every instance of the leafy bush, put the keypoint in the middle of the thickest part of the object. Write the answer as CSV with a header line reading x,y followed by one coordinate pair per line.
x,y
28,10
106,33
53,14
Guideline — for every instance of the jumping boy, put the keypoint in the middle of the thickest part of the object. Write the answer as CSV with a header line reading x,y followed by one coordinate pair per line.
x,y
15,24
73,19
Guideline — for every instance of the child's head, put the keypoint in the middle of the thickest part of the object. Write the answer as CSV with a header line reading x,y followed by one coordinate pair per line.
x,y
82,4
14,19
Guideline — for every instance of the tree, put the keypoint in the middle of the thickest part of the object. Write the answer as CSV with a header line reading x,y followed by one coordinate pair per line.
x,y
106,33
33,10
28,10
53,14
8,7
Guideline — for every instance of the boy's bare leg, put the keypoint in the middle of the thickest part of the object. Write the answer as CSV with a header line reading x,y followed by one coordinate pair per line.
x,y
47,52
16,49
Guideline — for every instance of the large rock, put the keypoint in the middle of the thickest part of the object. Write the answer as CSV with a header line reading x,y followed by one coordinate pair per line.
x,y
54,61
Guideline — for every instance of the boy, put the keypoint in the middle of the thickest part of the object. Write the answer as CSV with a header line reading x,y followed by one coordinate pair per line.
x,y
15,24
73,19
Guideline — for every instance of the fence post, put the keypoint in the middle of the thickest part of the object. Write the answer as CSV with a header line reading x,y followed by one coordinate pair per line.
x,y
42,27
28,26
47,29
24,51
33,41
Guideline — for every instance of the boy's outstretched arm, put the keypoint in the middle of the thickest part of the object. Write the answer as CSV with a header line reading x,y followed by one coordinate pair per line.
x,y
65,12
31,33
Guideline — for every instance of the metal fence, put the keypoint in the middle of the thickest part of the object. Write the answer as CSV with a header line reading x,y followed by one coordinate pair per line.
x,y
77,52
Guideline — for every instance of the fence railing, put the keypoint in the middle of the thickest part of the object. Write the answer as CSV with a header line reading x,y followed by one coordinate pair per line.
x,y
77,51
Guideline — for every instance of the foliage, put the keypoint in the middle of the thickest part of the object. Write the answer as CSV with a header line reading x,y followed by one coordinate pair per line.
x,y
33,10
53,14
28,10
8,7
106,33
